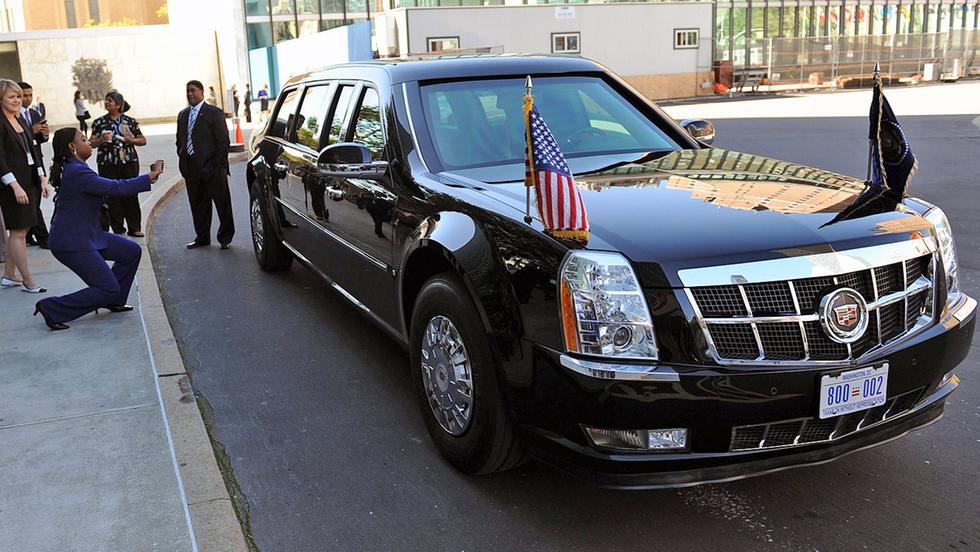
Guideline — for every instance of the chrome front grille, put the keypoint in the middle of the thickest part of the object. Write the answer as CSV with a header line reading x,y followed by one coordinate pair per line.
x,y
805,431
756,320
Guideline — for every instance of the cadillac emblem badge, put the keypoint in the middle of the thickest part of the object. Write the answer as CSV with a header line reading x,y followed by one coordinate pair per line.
x,y
844,315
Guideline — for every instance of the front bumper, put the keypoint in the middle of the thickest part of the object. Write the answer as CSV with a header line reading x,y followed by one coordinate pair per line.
x,y
561,396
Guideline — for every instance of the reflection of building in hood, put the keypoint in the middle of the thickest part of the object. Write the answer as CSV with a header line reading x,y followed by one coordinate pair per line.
x,y
736,180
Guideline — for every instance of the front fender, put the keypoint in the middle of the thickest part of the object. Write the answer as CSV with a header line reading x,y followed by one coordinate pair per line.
x,y
509,271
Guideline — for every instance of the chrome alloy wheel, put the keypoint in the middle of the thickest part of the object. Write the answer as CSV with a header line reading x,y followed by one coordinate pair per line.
x,y
258,229
446,375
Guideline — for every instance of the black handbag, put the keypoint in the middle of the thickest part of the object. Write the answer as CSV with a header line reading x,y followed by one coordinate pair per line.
x,y
86,116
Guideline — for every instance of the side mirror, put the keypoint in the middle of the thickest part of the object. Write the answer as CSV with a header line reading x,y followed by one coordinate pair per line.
x,y
700,130
349,160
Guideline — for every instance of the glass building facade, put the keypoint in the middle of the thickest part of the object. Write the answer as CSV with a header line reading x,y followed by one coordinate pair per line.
x,y
268,22
742,26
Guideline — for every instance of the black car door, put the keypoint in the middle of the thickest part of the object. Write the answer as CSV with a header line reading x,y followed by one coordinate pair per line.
x,y
360,213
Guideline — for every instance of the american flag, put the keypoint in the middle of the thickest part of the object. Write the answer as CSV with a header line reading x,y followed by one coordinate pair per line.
x,y
560,205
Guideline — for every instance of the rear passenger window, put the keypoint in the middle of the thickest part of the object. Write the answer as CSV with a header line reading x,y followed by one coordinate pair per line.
x,y
340,107
367,130
312,114
284,115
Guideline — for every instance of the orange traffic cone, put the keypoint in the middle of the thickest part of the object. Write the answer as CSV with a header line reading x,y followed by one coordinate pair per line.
x,y
239,137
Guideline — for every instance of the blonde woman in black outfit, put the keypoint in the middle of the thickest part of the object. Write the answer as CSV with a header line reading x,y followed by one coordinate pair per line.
x,y
23,183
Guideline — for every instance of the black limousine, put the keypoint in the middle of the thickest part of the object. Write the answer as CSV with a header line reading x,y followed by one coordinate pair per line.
x,y
713,326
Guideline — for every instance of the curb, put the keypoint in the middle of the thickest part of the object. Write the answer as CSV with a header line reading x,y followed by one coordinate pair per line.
x,y
215,524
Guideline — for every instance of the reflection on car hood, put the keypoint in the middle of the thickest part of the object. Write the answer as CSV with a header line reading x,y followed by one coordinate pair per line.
x,y
706,207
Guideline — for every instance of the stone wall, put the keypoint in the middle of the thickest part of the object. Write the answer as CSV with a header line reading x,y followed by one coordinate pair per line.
x,y
149,65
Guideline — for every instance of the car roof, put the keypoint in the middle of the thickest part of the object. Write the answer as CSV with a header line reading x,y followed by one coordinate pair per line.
x,y
456,66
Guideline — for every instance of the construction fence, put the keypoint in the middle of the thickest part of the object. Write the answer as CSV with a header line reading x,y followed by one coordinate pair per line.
x,y
848,61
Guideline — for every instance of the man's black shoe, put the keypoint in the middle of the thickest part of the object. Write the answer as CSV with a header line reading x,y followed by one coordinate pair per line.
x,y
226,246
195,245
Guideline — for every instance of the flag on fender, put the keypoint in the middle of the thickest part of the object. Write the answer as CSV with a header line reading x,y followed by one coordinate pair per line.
x,y
892,161
560,205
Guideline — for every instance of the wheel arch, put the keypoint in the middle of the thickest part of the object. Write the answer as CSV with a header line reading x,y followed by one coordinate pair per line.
x,y
454,242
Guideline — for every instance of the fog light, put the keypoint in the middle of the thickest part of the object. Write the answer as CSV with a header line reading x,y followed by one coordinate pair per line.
x,y
638,439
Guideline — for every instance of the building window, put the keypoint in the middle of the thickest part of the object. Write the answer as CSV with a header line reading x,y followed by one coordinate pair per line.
x,y
70,14
443,43
565,43
686,38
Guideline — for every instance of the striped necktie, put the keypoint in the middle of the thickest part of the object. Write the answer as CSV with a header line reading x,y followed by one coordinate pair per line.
x,y
191,119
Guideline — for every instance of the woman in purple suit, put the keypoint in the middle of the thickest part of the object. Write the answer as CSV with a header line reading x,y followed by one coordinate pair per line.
x,y
77,238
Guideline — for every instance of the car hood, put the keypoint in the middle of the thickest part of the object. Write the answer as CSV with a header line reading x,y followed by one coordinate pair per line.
x,y
695,208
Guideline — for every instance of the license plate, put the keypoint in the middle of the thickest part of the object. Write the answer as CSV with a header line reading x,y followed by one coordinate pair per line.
x,y
853,391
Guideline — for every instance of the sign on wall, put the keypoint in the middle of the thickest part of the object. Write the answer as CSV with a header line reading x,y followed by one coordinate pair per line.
x,y
565,12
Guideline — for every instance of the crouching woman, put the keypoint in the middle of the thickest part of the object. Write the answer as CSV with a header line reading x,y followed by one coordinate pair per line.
x,y
77,239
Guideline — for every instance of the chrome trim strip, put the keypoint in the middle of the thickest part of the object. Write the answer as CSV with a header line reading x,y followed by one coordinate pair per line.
x,y
755,329
796,305
764,319
967,306
411,127
918,286
629,372
343,292
339,239
807,266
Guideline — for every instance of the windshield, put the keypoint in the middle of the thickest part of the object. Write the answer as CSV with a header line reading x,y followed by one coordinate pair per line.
x,y
481,123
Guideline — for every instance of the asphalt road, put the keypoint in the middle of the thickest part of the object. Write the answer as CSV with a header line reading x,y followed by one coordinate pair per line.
x,y
313,405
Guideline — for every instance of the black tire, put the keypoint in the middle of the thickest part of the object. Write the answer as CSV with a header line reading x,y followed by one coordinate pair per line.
x,y
270,253
489,443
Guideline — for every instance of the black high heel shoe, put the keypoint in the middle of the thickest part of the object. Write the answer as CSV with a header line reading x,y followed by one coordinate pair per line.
x,y
119,308
55,326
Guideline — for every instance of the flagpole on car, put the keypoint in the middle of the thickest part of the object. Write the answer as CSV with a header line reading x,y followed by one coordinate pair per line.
x,y
875,80
529,177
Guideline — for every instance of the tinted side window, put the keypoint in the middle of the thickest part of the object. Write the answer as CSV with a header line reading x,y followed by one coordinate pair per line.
x,y
312,115
367,130
340,107
284,115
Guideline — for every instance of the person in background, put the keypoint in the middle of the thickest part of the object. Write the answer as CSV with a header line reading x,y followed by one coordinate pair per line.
x,y
248,103
263,96
38,234
117,135
202,147
81,112
212,97
77,240
236,98
23,183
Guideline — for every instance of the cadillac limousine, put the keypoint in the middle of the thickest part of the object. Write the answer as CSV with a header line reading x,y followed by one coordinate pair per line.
x,y
714,326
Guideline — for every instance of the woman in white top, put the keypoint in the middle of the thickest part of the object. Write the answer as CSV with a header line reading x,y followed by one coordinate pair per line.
x,y
81,112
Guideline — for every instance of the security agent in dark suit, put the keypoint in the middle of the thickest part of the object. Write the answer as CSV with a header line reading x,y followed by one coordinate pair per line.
x,y
202,147
38,234
77,238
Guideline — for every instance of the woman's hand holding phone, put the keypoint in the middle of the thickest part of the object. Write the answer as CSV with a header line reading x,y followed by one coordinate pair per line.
x,y
156,169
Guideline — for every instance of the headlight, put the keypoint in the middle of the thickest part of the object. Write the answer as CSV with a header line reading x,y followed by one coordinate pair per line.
x,y
947,251
602,307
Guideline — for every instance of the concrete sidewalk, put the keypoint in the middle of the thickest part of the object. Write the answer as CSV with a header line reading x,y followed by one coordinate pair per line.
x,y
102,446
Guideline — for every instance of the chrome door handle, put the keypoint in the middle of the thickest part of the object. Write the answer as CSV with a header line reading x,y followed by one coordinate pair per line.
x,y
335,194
281,168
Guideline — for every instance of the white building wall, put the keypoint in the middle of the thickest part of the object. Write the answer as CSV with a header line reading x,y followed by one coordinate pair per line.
x,y
630,39
149,64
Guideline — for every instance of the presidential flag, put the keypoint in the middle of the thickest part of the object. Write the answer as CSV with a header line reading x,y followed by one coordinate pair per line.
x,y
892,161
560,205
